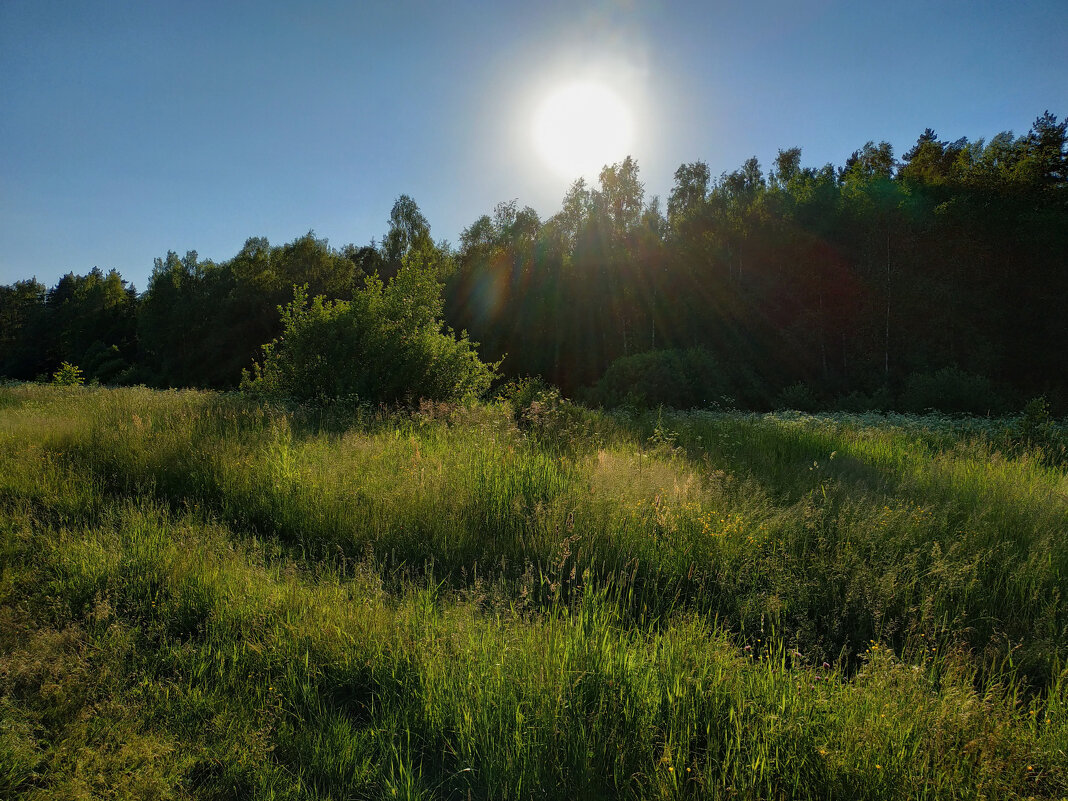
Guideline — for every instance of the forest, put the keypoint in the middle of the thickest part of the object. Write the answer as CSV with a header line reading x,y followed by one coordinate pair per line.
x,y
935,280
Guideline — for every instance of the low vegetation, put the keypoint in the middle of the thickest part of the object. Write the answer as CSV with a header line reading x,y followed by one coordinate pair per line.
x,y
210,596
386,345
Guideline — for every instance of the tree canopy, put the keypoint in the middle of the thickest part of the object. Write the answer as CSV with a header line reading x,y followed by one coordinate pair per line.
x,y
852,281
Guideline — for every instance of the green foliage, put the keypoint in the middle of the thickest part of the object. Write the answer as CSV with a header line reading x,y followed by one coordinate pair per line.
x,y
386,345
1036,430
680,379
1036,427
522,392
856,401
541,412
76,321
950,390
838,277
22,329
204,596
798,397
105,364
68,375
835,277
200,322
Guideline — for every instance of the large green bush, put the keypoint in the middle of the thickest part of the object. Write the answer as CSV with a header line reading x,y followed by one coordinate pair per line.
x,y
683,379
951,390
879,400
797,397
386,345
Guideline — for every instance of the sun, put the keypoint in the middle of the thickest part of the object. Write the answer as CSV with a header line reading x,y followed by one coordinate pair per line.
x,y
581,127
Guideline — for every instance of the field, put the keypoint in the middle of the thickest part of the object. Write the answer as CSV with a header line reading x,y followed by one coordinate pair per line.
x,y
202,596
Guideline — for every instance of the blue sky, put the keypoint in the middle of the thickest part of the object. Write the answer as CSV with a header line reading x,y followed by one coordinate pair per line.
x,y
130,129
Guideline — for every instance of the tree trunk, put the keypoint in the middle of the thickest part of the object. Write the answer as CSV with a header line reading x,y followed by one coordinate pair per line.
x,y
886,346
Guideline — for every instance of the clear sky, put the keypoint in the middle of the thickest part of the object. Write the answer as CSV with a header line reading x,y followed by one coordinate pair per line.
x,y
131,128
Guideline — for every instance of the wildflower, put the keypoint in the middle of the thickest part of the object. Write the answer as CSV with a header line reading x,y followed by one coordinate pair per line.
x,y
878,766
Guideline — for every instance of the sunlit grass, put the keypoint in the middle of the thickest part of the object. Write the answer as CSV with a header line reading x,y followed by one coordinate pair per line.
x,y
205,597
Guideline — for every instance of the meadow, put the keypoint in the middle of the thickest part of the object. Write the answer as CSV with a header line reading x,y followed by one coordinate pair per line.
x,y
203,595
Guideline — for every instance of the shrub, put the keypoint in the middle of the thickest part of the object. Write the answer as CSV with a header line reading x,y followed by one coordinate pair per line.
x,y
522,392
385,346
105,363
541,412
1036,428
68,375
682,379
856,401
950,390
798,397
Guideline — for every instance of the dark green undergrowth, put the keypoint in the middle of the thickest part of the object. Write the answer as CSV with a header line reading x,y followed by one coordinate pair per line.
x,y
202,596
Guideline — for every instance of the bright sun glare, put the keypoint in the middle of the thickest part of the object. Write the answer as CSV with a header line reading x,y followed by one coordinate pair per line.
x,y
581,127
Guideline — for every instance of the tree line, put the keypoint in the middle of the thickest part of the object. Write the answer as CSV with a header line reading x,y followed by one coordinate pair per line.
x,y
886,282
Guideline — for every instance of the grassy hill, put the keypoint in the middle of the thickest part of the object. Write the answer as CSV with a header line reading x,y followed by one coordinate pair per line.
x,y
202,596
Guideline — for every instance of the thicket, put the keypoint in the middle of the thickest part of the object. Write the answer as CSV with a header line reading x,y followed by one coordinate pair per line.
x,y
385,346
953,391
689,379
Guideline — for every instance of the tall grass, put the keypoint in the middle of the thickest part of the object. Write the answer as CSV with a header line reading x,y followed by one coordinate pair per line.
x,y
201,596
833,531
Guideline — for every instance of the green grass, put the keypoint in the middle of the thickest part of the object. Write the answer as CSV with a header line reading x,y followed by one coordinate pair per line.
x,y
204,597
